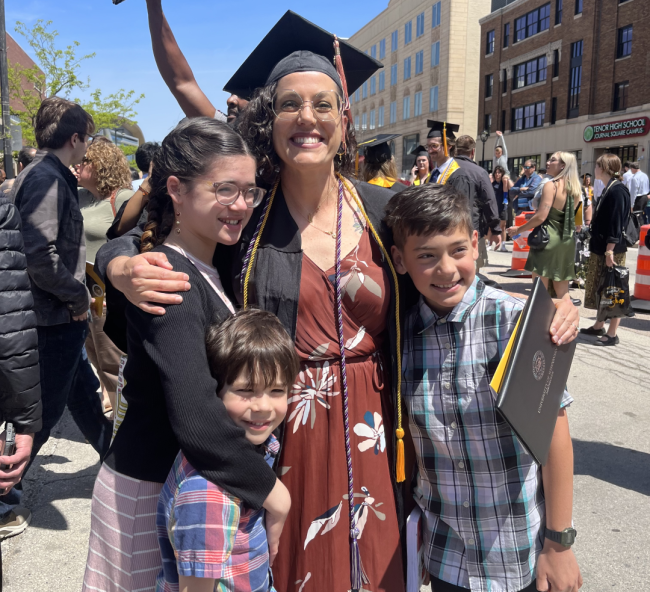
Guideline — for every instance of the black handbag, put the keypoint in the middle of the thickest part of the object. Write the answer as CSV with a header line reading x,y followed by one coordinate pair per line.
x,y
539,237
632,230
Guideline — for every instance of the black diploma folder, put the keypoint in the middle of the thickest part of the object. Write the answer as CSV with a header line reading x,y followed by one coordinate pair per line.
x,y
532,375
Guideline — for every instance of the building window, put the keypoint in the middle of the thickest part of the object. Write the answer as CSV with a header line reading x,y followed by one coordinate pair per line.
x,y
489,84
504,81
380,116
503,119
364,121
620,95
407,68
393,112
489,44
382,81
529,116
433,99
408,145
419,62
556,63
435,16
419,25
533,22
487,123
356,122
575,79
506,35
578,6
373,52
372,119
435,54
624,42
406,110
382,49
517,119
408,32
558,12
553,110
357,95
417,104
373,85
516,163
394,40
364,90
530,72
393,75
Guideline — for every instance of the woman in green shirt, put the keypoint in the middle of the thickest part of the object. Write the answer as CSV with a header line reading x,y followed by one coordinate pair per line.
x,y
105,173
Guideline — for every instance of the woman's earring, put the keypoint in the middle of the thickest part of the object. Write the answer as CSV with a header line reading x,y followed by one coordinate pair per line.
x,y
178,222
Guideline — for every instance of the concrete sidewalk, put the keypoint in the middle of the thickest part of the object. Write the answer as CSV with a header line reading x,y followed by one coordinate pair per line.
x,y
610,424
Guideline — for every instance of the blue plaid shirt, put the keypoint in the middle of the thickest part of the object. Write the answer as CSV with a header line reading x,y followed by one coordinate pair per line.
x,y
480,491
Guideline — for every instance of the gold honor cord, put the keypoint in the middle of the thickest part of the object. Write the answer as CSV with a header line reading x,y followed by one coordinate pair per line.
x,y
399,432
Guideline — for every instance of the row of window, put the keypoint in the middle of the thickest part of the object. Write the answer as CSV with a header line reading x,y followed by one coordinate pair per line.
x,y
375,118
408,32
370,87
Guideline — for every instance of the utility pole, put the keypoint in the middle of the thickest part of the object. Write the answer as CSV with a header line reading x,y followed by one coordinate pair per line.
x,y
5,128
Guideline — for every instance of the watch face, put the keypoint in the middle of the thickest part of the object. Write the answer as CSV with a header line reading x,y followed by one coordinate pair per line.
x,y
568,536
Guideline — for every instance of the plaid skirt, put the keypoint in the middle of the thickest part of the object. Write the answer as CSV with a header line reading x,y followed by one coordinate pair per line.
x,y
123,551
595,268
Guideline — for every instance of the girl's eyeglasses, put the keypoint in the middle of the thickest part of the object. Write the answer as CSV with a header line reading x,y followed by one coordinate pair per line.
x,y
228,193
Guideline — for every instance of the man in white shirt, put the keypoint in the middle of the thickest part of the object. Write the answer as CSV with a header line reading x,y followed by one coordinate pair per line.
x,y
639,189
628,174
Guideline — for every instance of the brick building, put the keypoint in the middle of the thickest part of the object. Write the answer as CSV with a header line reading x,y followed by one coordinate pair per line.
x,y
430,51
568,75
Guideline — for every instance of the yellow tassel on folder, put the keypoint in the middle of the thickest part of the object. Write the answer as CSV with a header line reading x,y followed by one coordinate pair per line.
x,y
399,468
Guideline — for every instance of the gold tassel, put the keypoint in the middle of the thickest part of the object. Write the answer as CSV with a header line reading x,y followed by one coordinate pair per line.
x,y
356,165
444,139
401,476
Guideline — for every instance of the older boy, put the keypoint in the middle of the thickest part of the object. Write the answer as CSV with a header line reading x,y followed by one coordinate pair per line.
x,y
209,541
491,514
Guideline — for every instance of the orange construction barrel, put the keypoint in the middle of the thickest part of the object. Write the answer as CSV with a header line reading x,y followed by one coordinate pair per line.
x,y
641,299
520,254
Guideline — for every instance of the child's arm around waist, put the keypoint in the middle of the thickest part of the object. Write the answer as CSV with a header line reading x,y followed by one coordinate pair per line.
x,y
557,568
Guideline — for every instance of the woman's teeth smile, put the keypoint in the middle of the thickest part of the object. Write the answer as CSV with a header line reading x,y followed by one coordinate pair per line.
x,y
307,140
229,222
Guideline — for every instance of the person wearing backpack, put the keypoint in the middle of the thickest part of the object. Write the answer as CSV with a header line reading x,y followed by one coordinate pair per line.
x,y
105,173
608,245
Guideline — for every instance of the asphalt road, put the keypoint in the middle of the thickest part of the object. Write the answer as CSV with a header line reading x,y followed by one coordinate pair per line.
x,y
610,425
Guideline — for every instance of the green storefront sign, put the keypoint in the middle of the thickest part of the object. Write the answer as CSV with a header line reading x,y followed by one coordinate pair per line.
x,y
617,130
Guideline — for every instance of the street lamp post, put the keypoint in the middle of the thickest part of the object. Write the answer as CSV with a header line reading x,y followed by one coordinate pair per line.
x,y
485,134
5,127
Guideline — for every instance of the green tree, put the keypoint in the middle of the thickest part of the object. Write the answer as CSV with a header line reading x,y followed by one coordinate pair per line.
x,y
58,73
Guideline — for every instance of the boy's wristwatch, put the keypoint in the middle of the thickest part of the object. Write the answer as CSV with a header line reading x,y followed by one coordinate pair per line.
x,y
566,538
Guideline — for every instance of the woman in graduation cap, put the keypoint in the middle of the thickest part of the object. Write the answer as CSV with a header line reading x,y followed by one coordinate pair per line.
x,y
378,162
421,170
316,255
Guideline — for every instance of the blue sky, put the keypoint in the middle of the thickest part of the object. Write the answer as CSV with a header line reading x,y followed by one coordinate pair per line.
x,y
215,36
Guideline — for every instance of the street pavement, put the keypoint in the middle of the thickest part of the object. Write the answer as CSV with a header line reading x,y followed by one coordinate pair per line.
x,y
610,421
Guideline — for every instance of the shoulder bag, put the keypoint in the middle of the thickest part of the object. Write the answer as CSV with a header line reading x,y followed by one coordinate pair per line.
x,y
539,237
632,230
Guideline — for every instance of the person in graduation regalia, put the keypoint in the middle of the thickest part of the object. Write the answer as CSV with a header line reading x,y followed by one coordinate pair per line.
x,y
421,170
379,163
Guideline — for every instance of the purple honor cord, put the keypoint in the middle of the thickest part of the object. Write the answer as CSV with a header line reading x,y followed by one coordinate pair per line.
x,y
357,575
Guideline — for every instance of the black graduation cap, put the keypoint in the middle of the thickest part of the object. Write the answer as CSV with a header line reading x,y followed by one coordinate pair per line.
x,y
296,45
419,151
437,128
377,149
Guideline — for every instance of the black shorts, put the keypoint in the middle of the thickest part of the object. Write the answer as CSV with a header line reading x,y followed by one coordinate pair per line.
x,y
503,214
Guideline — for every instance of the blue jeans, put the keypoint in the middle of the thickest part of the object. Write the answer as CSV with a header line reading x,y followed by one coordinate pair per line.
x,y
66,379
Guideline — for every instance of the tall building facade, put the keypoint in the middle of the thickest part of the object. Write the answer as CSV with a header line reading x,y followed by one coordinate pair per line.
x,y
430,50
569,75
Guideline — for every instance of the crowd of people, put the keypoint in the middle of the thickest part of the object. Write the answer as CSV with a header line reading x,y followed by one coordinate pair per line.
x,y
289,359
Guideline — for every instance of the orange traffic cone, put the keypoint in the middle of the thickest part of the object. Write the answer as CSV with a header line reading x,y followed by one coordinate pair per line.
x,y
641,300
520,254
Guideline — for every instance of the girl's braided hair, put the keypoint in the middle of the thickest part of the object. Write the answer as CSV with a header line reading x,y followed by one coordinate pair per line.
x,y
187,153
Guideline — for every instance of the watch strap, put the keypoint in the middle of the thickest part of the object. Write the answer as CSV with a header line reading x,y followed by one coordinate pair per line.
x,y
565,538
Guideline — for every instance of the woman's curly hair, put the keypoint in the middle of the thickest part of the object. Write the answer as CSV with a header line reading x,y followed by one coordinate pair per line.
x,y
255,124
111,170
186,153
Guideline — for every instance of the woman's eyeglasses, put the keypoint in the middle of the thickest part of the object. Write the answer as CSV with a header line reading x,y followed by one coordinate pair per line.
x,y
228,193
327,105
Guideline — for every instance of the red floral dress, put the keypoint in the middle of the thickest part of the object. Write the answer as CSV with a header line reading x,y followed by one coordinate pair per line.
x,y
314,553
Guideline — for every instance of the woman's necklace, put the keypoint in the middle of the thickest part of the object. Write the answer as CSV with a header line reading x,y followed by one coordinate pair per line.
x,y
310,218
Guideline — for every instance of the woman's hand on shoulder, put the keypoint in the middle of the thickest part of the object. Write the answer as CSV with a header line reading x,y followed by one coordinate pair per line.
x,y
147,280
566,322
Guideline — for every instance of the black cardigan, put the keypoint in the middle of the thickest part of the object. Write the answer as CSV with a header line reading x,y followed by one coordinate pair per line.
x,y
610,219
173,401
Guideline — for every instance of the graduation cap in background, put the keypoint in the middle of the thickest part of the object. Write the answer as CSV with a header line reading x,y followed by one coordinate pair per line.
x,y
443,130
377,149
296,45
419,151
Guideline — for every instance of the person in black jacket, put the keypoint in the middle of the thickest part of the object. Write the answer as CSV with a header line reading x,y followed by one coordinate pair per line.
x,y
20,385
607,245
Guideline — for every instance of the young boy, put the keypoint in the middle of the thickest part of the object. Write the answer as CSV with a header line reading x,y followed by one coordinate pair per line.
x,y
485,502
208,539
